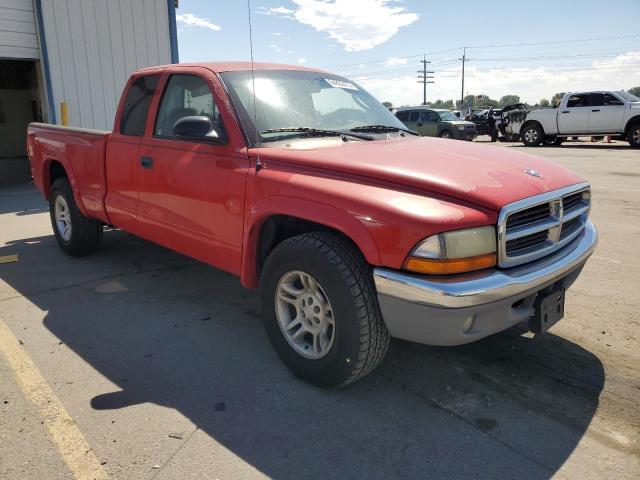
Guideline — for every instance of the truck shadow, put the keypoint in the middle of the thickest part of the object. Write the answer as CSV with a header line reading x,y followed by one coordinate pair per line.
x,y
180,334
20,200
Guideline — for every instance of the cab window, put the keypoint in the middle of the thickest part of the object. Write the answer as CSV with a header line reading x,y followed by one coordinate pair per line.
x,y
578,100
185,96
612,100
403,116
429,117
136,107
413,117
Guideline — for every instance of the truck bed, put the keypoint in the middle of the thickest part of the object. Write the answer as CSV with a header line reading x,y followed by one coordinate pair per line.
x,y
81,152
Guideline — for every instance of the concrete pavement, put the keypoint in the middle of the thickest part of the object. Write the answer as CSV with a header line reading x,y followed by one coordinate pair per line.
x,y
164,368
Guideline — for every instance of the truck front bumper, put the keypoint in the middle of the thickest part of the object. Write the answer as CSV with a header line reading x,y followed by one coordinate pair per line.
x,y
458,309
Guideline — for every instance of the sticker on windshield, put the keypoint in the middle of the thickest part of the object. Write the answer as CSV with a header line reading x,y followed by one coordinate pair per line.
x,y
340,84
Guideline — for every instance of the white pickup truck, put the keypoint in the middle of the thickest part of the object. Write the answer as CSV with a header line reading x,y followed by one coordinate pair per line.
x,y
582,114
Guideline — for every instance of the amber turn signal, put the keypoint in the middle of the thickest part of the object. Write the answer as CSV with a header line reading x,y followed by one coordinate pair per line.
x,y
457,265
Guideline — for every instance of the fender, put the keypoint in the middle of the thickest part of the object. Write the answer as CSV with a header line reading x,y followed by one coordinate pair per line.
x,y
631,121
46,181
323,214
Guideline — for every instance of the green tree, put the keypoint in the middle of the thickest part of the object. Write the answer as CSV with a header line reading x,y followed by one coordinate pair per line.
x,y
544,102
446,104
388,105
484,102
634,91
555,100
509,100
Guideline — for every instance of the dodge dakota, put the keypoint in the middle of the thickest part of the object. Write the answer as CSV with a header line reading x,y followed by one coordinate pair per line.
x,y
580,114
354,229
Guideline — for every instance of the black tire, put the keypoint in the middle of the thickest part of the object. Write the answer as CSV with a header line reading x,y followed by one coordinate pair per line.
x,y
85,233
360,339
446,134
531,135
633,135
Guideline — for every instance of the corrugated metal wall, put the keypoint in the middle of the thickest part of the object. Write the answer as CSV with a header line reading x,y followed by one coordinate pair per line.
x,y
94,45
18,30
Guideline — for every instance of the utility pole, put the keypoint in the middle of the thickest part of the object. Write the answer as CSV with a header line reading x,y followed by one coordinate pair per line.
x,y
426,76
464,59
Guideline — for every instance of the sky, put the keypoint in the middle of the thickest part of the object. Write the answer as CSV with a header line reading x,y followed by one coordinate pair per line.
x,y
533,52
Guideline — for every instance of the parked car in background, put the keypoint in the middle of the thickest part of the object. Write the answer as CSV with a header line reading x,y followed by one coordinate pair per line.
x,y
430,122
583,114
354,229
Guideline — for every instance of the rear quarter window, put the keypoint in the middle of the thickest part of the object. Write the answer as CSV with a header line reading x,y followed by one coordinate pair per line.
x,y
136,107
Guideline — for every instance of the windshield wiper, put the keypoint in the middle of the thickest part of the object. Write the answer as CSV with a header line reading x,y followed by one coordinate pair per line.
x,y
381,128
316,132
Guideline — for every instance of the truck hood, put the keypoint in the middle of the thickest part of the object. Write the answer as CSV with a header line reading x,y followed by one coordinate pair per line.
x,y
489,177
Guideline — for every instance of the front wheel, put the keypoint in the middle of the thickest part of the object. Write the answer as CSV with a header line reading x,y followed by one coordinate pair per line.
x,y
446,134
76,234
633,135
532,135
320,309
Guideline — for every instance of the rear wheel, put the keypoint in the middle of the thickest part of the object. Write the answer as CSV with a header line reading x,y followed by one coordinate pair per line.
x,y
532,135
320,309
446,134
633,135
76,234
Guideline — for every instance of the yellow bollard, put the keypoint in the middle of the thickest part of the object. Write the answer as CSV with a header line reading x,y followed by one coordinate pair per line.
x,y
64,114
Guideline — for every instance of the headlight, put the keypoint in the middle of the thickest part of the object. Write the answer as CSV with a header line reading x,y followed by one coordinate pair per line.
x,y
455,252
461,127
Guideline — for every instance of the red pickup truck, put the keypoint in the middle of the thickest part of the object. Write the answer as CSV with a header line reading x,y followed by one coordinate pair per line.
x,y
353,228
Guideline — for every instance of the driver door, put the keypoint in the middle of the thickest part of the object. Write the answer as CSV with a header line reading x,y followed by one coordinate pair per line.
x,y
191,192
429,123
574,117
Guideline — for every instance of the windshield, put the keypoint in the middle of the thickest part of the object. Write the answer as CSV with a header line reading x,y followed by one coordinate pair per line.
x,y
301,99
448,116
628,96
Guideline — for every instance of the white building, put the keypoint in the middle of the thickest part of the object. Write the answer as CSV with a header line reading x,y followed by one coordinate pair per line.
x,y
78,52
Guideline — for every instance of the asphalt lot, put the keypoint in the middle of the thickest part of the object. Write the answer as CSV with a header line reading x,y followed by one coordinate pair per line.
x,y
139,363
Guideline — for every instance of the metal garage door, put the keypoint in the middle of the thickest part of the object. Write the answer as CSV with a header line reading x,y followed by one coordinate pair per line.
x,y
18,30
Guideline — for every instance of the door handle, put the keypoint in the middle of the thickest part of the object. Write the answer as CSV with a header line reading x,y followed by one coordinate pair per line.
x,y
595,110
146,162
566,111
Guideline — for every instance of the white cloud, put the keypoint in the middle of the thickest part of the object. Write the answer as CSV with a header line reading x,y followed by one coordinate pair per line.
x,y
302,61
530,83
389,62
276,48
356,24
194,21
276,11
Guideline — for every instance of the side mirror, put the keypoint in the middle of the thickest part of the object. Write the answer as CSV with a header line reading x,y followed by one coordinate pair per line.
x,y
195,128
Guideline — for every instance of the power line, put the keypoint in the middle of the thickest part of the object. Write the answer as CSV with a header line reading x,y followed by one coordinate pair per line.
x,y
516,72
551,57
514,59
558,42
425,77
386,59
464,59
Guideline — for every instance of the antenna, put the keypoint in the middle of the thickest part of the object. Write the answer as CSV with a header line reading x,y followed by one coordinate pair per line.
x,y
259,165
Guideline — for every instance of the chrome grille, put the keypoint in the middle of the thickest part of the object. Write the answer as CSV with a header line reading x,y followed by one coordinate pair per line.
x,y
537,226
